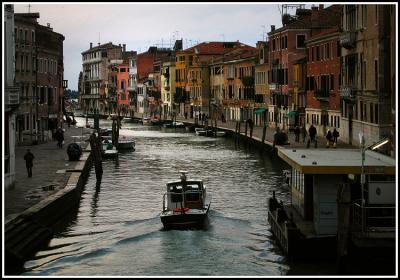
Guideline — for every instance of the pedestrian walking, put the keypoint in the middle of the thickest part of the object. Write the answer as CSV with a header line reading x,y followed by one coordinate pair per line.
x,y
335,135
297,133
69,121
312,131
60,137
304,133
329,139
28,157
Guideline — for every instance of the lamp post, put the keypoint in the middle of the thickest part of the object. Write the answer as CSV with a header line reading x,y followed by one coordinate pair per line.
x,y
362,179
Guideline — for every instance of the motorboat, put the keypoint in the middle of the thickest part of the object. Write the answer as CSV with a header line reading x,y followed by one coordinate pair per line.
x,y
109,150
185,204
174,124
209,132
126,144
146,121
200,131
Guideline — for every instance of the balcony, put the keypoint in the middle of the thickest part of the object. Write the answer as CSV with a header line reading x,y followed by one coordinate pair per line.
x,y
321,94
347,93
90,96
272,86
11,98
347,39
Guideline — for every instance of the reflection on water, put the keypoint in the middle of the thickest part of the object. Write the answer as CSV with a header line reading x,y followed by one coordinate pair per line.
x,y
117,230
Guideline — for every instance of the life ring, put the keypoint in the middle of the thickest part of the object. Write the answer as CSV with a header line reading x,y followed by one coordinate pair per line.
x,y
180,209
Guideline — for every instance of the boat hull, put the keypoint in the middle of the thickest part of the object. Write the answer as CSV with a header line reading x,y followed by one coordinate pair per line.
x,y
180,220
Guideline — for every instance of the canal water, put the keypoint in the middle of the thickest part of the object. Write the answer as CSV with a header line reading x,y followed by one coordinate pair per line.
x,y
117,229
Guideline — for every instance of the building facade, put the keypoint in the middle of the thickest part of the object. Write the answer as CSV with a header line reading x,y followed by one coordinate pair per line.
x,y
323,69
262,98
11,98
39,74
366,73
95,64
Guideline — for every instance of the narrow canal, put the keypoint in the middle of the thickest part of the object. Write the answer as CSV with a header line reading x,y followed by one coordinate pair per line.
x,y
117,229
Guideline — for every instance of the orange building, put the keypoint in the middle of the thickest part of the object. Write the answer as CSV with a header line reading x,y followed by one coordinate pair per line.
x,y
122,88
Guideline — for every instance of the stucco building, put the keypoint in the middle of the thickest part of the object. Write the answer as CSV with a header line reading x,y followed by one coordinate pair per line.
x,y
367,73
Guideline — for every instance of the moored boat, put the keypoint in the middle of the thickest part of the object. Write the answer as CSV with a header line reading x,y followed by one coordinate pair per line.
x,y
126,144
185,204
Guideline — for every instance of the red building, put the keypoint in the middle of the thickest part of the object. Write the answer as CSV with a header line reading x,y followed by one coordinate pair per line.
x,y
323,70
287,47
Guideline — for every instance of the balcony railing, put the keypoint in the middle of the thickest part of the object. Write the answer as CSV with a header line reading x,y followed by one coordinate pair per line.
x,y
347,93
90,96
321,94
12,96
347,39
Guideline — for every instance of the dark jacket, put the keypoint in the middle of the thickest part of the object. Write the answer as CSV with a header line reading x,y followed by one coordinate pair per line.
x,y
29,159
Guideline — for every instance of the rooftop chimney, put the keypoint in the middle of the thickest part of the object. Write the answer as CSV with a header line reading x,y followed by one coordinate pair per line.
x,y
321,6
123,47
91,44
272,28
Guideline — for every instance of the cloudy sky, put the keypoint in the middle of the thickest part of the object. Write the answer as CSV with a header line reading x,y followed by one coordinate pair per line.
x,y
140,25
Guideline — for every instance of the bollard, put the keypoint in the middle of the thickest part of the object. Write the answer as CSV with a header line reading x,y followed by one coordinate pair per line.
x,y
264,133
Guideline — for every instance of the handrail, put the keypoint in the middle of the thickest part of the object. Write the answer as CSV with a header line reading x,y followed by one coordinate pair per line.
x,y
373,218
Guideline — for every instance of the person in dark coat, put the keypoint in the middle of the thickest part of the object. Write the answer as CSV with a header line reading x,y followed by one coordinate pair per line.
x,y
304,133
297,133
335,135
329,139
60,137
28,157
312,131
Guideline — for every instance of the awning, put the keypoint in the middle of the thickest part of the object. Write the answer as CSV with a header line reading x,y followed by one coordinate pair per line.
x,y
291,114
259,110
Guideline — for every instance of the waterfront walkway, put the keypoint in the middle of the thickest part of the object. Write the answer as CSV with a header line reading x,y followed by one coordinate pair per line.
x,y
269,137
48,172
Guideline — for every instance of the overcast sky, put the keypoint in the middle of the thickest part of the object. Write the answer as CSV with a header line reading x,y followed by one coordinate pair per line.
x,y
140,25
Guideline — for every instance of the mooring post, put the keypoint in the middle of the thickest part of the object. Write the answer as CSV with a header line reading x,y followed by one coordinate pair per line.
x,y
264,133
96,147
245,129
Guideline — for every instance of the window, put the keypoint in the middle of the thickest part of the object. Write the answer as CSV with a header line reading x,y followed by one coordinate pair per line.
x,y
300,41
371,112
332,82
317,53
376,75
312,54
376,113
328,51
376,14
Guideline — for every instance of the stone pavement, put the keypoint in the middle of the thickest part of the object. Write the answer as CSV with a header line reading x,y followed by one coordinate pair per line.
x,y
48,174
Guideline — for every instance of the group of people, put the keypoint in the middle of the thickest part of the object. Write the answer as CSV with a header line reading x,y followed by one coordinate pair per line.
x,y
312,132
331,138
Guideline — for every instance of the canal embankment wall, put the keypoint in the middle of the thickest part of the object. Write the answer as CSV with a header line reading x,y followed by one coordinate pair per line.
x,y
31,229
